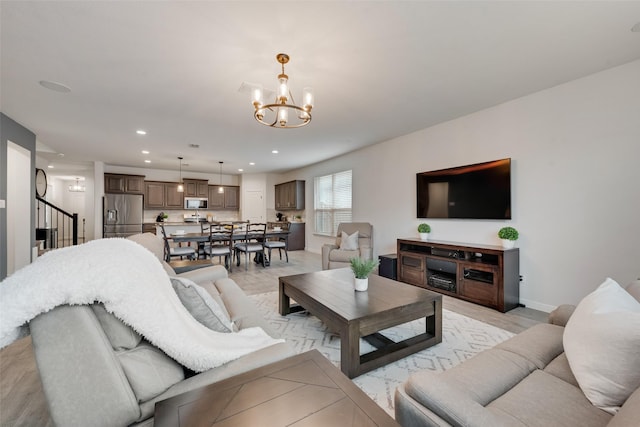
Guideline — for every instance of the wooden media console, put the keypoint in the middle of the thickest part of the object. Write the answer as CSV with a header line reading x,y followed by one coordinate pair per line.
x,y
483,274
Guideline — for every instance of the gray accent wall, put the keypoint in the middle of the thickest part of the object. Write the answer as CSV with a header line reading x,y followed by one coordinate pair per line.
x,y
13,131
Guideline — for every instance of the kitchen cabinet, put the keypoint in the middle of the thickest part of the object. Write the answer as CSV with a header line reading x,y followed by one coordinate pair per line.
x,y
196,188
296,236
231,197
228,200
162,195
120,183
289,195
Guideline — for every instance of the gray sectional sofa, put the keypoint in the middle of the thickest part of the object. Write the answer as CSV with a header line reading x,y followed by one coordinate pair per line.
x,y
97,371
524,381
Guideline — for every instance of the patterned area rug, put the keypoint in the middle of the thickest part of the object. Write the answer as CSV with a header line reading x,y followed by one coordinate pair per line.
x,y
462,337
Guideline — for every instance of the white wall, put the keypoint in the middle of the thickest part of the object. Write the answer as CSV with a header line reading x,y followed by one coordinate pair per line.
x,y
575,175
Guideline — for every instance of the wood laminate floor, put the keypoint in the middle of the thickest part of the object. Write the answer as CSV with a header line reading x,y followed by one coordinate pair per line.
x,y
22,401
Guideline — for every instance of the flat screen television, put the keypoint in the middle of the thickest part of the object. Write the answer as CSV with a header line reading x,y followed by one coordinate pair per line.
x,y
478,191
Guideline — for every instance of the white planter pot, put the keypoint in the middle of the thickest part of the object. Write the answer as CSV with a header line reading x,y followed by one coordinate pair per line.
x,y
508,244
361,284
424,236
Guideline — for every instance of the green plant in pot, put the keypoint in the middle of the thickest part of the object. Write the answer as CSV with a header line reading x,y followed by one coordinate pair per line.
x,y
508,235
361,269
424,229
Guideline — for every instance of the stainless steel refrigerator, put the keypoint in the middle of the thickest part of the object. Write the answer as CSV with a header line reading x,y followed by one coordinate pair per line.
x,y
122,214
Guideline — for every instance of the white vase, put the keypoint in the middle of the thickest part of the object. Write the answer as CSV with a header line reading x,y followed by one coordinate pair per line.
x,y
361,284
424,236
508,244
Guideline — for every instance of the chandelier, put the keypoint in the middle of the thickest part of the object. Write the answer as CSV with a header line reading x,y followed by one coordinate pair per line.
x,y
77,188
283,112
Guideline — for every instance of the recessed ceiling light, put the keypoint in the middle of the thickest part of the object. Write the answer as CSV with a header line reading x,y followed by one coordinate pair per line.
x,y
252,163
141,132
240,170
54,86
145,152
50,166
274,151
147,161
60,154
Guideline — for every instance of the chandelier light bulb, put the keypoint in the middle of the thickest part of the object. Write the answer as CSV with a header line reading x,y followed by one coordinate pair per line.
x,y
256,96
283,116
283,89
307,98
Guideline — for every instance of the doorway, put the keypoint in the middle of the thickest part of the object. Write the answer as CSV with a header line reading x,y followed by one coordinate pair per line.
x,y
254,209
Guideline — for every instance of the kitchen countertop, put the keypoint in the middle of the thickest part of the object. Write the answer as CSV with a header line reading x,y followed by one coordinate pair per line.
x,y
180,223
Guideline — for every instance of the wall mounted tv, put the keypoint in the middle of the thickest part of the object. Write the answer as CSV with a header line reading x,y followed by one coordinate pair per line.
x,y
478,191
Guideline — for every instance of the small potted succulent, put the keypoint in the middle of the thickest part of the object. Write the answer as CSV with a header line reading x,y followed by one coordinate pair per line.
x,y
508,235
424,229
361,269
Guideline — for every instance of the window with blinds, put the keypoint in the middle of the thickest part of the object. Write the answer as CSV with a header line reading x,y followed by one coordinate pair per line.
x,y
332,205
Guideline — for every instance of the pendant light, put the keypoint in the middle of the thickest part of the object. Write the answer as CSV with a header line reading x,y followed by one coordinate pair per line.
x,y
180,184
220,188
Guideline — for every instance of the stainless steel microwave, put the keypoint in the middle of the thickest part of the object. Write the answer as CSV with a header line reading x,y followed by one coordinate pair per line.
x,y
195,203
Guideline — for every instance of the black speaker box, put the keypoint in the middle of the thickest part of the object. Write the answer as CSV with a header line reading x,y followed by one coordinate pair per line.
x,y
388,266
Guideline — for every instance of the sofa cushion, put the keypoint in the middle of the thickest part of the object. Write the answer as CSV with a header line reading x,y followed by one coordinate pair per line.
x,y
149,370
634,289
343,256
151,242
242,311
201,305
121,336
544,400
539,344
559,368
629,414
215,294
483,378
602,344
349,242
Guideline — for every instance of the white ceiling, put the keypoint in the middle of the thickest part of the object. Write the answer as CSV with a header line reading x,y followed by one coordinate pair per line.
x,y
379,70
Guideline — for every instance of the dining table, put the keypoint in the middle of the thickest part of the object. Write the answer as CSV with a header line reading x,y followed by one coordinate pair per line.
x,y
201,238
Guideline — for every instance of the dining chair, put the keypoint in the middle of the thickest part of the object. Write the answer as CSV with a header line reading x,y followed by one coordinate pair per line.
x,y
204,229
178,251
279,242
220,244
253,243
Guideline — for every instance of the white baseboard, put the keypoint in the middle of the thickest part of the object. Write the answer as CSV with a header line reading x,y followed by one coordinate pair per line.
x,y
537,305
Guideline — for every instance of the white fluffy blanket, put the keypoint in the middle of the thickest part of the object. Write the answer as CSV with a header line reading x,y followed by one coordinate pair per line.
x,y
131,283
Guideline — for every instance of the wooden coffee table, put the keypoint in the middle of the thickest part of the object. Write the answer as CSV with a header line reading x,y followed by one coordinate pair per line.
x,y
330,296
305,390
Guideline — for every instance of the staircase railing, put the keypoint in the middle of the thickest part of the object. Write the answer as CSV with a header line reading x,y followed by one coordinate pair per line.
x,y
56,227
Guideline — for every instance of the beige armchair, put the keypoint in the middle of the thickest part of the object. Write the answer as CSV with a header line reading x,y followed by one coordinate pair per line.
x,y
335,257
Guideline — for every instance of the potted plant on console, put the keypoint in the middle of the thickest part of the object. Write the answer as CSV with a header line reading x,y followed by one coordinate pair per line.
x,y
509,235
424,229
361,269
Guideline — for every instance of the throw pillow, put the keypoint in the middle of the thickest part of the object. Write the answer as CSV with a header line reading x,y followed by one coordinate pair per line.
x,y
602,344
349,242
201,305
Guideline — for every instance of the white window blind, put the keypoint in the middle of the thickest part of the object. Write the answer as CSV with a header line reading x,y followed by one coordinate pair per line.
x,y
332,202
